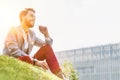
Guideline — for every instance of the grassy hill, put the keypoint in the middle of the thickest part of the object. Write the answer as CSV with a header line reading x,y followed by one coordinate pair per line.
x,y
14,69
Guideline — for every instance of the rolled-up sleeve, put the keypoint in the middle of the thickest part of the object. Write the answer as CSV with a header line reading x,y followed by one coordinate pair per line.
x,y
49,40
40,42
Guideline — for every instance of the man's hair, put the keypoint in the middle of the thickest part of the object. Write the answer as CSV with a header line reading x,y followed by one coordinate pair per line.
x,y
24,12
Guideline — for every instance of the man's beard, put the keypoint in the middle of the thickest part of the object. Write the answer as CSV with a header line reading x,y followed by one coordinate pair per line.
x,y
28,23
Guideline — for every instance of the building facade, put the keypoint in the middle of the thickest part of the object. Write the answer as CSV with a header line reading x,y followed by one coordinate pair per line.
x,y
94,63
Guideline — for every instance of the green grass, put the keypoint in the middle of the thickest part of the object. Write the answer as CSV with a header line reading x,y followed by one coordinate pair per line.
x,y
14,69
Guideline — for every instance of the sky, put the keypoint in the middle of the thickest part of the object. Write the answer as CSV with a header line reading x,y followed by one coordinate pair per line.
x,y
72,24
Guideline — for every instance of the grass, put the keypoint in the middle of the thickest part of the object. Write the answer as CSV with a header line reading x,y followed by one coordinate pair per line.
x,y
14,69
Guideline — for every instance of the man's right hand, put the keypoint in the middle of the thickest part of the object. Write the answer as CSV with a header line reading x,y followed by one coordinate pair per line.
x,y
44,30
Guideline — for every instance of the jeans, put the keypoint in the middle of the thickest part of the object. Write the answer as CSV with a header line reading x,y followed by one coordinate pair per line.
x,y
45,53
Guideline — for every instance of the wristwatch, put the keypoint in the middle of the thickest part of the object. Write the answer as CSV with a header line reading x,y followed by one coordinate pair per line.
x,y
34,61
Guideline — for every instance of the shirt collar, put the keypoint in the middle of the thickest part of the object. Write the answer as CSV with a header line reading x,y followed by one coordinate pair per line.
x,y
24,32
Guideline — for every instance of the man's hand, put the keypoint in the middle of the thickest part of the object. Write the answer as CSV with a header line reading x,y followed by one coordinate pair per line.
x,y
42,64
44,31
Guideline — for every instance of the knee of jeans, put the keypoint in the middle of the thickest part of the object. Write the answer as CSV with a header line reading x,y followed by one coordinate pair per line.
x,y
48,46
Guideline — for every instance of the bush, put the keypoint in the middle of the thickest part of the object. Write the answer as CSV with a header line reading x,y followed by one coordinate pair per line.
x,y
69,71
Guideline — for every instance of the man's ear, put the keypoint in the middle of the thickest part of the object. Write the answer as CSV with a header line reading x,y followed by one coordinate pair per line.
x,y
23,18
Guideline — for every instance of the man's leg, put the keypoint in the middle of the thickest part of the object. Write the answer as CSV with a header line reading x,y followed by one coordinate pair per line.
x,y
46,52
26,59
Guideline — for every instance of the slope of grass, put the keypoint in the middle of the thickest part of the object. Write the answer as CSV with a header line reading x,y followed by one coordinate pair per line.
x,y
14,69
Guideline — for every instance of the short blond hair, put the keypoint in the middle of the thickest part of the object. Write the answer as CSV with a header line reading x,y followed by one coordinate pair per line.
x,y
24,12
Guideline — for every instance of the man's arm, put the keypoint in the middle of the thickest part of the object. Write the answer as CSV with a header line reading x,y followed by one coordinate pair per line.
x,y
44,31
40,42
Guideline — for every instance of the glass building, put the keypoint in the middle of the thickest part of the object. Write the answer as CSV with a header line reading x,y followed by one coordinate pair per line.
x,y
94,63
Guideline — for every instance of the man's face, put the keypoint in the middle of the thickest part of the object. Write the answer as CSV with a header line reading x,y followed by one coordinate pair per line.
x,y
29,19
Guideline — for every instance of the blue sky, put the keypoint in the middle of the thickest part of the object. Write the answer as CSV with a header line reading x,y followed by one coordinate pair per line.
x,y
72,23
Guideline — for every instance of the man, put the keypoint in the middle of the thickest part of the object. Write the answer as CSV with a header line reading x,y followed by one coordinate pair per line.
x,y
20,41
